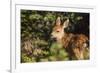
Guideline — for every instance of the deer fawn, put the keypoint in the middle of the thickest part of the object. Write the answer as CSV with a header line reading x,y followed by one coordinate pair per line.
x,y
75,44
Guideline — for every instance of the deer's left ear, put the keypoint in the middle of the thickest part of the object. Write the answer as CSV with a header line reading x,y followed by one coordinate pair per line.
x,y
58,21
66,23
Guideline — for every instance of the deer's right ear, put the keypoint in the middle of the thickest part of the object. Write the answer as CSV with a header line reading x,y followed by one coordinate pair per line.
x,y
58,21
66,23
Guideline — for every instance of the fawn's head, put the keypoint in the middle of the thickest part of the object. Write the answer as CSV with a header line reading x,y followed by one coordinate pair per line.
x,y
58,30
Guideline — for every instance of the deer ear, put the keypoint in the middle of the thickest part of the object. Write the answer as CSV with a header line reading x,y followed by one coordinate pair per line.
x,y
65,24
58,21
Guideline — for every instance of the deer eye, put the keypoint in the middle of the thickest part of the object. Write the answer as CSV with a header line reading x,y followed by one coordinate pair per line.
x,y
57,31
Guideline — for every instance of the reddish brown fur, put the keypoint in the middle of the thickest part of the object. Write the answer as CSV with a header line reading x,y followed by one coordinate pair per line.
x,y
75,44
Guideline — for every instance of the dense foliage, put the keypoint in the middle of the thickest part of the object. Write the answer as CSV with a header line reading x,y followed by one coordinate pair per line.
x,y
36,28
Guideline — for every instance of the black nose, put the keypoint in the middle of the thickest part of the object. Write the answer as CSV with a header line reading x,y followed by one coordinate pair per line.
x,y
53,39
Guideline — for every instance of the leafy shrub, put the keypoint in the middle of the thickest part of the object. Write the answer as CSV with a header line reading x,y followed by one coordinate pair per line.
x,y
37,27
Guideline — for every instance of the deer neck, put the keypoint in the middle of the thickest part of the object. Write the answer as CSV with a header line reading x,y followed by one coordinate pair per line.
x,y
61,40
66,39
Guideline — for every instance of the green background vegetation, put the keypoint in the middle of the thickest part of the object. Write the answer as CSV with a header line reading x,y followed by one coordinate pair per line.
x,y
36,28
